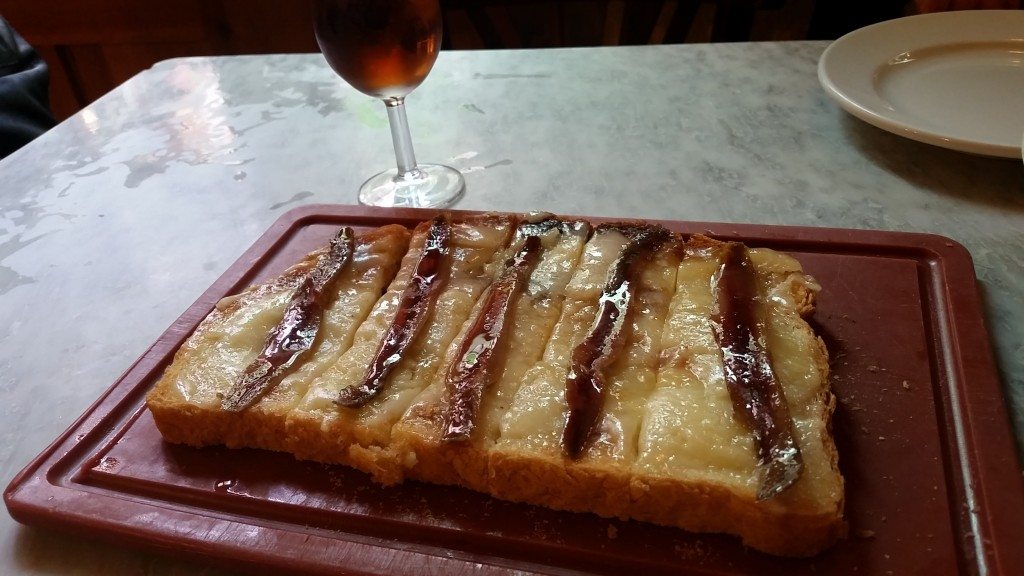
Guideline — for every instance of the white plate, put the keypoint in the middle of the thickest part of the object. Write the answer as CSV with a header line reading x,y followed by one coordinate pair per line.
x,y
953,79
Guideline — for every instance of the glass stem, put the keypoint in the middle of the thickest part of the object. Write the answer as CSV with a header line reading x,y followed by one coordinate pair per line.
x,y
400,136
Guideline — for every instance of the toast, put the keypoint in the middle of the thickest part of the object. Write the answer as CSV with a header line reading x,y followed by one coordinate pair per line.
x,y
320,429
187,403
548,362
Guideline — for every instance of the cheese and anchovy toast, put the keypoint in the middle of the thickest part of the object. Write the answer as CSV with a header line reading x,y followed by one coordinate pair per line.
x,y
619,369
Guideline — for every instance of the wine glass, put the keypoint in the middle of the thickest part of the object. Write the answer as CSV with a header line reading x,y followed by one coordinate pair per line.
x,y
385,48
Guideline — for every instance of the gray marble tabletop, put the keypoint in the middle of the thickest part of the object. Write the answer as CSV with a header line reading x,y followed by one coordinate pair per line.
x,y
115,221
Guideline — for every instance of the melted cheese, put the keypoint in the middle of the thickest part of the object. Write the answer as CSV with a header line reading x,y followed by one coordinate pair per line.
x,y
475,247
536,417
235,333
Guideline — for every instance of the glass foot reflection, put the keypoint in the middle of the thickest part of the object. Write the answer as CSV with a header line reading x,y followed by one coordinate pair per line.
x,y
427,186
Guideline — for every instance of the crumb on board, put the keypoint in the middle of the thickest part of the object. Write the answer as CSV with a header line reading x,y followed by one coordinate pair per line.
x,y
697,550
906,385
613,532
866,534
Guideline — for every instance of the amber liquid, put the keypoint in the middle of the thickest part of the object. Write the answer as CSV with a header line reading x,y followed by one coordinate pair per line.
x,y
383,48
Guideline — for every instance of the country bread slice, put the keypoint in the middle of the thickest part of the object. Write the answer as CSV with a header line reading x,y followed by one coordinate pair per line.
x,y
531,319
529,463
186,401
320,429
696,466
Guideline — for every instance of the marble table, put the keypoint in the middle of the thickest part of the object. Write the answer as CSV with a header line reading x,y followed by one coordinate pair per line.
x,y
115,221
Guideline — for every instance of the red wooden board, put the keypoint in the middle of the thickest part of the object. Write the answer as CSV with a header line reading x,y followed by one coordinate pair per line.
x,y
924,442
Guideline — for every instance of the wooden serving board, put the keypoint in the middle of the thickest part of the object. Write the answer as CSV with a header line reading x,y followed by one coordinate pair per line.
x,y
924,444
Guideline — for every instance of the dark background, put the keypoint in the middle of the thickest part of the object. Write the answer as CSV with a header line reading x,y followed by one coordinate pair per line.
x,y
92,46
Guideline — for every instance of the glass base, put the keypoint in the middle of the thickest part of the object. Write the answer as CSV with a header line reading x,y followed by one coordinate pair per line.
x,y
429,186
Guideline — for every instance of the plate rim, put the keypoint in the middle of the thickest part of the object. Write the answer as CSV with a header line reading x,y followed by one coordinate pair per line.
x,y
899,125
